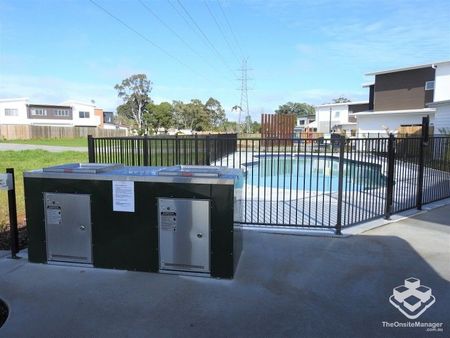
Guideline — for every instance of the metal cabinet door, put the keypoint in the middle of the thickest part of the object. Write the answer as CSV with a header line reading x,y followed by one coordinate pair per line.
x,y
68,227
184,241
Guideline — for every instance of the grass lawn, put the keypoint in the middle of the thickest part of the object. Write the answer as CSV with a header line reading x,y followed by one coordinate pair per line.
x,y
27,160
63,142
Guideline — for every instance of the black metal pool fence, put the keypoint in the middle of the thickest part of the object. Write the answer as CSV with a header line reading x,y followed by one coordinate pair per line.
x,y
304,183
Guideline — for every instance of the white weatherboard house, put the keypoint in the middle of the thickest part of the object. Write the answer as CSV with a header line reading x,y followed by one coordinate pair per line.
x,y
305,124
441,100
403,96
335,117
67,114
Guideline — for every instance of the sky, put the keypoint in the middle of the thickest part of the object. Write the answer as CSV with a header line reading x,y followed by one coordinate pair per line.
x,y
303,51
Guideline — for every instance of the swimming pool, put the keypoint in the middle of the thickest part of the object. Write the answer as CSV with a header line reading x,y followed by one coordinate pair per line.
x,y
312,173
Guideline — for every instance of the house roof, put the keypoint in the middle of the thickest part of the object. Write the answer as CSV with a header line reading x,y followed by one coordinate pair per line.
x,y
394,70
368,84
15,99
70,102
340,104
49,105
307,116
438,103
396,112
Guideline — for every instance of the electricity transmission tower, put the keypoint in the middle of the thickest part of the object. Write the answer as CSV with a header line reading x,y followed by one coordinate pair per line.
x,y
244,97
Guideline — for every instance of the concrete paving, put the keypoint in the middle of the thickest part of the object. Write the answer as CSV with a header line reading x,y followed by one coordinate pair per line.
x,y
285,286
53,149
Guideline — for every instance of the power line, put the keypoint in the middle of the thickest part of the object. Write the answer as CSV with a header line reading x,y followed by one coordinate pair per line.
x,y
221,30
182,16
204,35
229,26
190,25
175,33
147,39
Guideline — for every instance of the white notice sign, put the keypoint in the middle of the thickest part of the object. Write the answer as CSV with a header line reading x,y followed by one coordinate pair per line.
x,y
123,196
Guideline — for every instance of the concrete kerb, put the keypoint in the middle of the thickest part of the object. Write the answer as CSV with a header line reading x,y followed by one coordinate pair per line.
x,y
356,229
395,218
280,230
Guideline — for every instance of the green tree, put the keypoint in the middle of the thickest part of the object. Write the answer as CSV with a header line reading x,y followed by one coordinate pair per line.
x,y
178,114
229,126
158,116
123,116
134,91
197,115
341,99
256,127
192,115
216,113
299,109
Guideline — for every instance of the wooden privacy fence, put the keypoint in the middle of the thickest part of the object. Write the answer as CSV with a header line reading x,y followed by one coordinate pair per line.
x,y
25,132
278,127
412,131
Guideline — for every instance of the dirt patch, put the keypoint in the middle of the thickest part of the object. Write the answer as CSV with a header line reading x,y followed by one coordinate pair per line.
x,y
5,241
3,312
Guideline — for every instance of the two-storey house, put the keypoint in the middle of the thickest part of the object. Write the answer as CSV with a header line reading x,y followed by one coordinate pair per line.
x,y
69,113
338,117
403,96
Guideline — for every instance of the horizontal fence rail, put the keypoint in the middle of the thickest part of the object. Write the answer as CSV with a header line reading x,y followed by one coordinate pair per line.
x,y
309,183
161,151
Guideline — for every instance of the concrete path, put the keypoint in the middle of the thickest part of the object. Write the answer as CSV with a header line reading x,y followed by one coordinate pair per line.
x,y
53,149
285,286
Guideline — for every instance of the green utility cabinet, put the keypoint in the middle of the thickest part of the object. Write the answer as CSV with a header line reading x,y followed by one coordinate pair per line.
x,y
156,219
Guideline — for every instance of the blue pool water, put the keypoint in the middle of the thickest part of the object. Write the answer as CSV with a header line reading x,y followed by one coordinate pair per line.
x,y
316,173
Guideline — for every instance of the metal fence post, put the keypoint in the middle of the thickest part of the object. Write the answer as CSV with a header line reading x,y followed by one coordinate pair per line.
x,y
177,150
13,231
235,141
91,149
208,155
390,177
340,184
423,144
145,150
196,148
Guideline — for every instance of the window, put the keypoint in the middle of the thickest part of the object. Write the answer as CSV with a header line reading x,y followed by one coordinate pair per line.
x,y
336,114
11,112
39,112
62,112
302,122
84,114
107,117
429,85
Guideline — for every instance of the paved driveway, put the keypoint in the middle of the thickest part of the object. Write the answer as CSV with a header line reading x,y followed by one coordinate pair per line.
x,y
55,149
286,286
